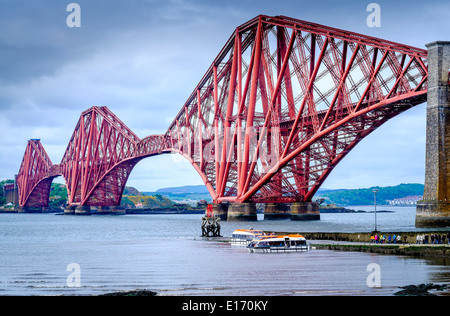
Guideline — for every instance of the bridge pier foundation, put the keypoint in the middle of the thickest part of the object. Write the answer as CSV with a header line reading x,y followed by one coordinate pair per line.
x,y
242,212
27,209
103,210
434,209
83,210
70,210
220,210
98,210
117,210
276,211
305,211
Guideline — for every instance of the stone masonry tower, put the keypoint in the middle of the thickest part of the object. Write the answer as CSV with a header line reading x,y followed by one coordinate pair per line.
x,y
434,209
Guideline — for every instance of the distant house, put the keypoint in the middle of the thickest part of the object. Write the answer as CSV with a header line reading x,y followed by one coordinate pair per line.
x,y
407,200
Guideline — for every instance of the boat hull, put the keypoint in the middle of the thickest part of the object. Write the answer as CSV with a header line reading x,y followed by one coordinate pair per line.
x,y
240,243
277,249
243,237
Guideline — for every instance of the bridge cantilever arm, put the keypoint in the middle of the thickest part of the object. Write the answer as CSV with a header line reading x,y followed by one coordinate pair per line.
x,y
284,160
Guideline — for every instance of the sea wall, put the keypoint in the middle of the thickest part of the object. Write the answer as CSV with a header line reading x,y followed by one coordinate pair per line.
x,y
365,237
432,251
408,248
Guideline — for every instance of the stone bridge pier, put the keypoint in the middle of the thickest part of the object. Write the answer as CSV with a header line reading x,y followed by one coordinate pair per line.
x,y
434,209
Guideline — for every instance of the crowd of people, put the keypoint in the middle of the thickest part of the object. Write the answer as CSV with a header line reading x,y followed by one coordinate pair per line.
x,y
390,239
433,238
443,238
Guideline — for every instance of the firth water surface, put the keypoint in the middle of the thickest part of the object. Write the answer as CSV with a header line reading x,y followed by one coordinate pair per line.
x,y
164,253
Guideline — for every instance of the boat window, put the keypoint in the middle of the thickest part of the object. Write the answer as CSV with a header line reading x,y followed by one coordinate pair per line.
x,y
276,243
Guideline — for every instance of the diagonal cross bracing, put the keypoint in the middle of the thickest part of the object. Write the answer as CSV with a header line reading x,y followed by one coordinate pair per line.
x,y
283,102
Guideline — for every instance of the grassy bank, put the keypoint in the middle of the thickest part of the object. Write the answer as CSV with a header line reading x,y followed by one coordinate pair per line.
x,y
435,251
406,237
361,242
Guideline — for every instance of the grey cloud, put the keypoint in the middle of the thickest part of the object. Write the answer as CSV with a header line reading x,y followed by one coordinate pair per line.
x,y
142,59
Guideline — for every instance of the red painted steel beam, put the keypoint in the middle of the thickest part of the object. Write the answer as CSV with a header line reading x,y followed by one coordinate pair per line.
x,y
35,176
303,92
235,174
316,137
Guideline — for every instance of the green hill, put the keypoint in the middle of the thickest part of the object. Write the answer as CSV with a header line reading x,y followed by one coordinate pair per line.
x,y
184,193
165,197
366,196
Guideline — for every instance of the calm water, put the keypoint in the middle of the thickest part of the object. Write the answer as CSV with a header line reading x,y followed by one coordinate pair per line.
x,y
164,253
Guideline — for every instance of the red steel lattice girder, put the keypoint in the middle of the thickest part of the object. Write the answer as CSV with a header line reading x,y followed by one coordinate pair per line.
x,y
94,164
283,102
35,176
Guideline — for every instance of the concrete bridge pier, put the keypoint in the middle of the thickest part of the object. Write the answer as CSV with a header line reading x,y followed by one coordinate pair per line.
x,y
70,210
276,211
27,209
117,210
242,212
103,210
83,210
305,211
99,210
220,210
434,209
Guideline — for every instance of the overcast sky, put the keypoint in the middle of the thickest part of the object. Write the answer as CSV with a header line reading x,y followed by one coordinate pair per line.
x,y
143,58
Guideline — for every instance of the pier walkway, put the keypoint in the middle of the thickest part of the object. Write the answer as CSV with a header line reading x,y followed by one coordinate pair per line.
x,y
408,249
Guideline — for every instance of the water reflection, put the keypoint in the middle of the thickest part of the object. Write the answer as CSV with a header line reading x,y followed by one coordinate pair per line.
x,y
164,253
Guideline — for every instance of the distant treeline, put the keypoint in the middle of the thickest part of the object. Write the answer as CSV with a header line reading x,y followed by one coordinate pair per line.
x,y
155,201
366,196
58,195
131,197
2,183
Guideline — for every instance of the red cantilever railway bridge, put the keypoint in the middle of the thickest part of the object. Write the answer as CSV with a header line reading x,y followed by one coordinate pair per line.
x,y
280,106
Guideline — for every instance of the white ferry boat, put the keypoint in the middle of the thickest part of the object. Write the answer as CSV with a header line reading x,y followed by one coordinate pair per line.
x,y
280,243
242,237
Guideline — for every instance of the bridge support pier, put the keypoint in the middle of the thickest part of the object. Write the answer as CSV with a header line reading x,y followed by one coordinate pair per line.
x,y
83,210
434,209
275,211
242,212
27,209
103,210
220,210
99,210
305,211
70,210
117,210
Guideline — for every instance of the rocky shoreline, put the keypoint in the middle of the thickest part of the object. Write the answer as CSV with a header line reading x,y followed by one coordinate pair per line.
x,y
131,293
409,290
437,251
421,289
347,210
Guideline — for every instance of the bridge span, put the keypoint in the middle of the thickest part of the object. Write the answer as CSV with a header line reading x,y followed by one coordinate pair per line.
x,y
280,106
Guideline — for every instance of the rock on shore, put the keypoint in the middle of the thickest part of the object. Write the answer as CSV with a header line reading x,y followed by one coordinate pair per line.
x,y
420,290
131,293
